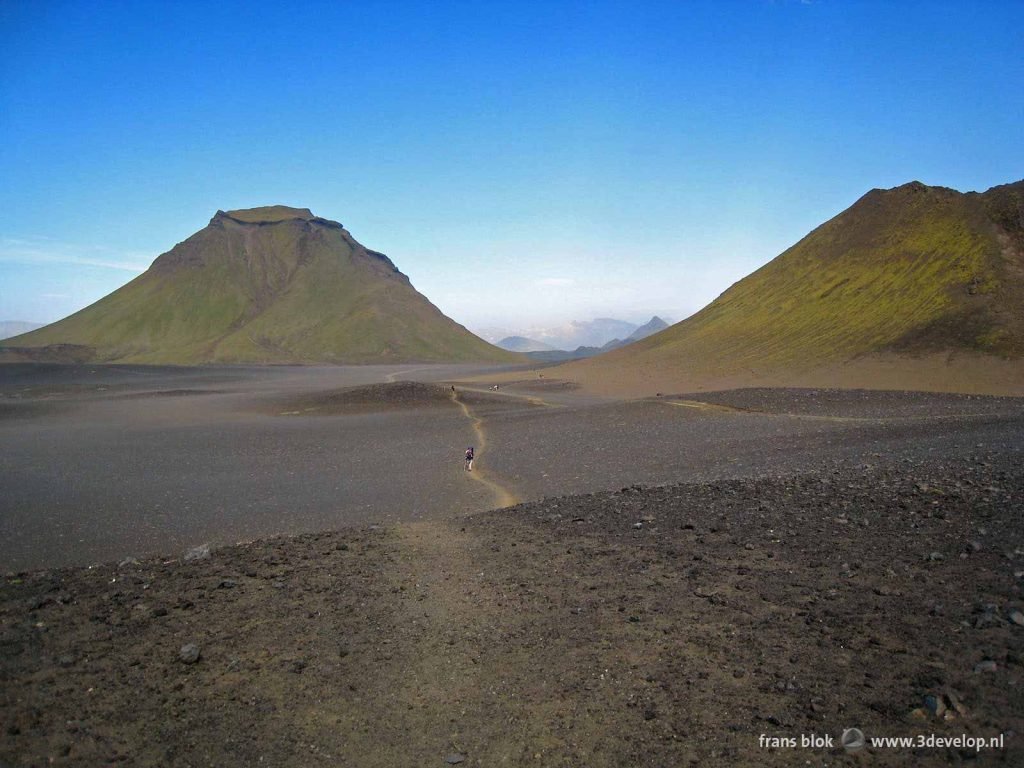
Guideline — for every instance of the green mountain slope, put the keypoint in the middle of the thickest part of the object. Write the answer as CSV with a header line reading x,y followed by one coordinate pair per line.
x,y
267,285
908,271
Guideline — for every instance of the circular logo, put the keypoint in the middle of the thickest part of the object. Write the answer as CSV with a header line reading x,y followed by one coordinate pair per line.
x,y
852,739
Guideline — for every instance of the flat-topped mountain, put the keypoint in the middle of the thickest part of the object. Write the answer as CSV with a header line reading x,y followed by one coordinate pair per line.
x,y
263,285
905,276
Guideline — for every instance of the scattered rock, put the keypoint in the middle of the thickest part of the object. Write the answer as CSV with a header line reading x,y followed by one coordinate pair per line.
x,y
986,618
202,552
189,653
454,759
1016,617
39,601
986,666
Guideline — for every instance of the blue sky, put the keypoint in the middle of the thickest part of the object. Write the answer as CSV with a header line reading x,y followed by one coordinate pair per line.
x,y
524,163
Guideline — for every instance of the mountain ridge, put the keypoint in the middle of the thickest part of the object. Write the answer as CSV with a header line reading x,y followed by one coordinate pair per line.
x,y
906,272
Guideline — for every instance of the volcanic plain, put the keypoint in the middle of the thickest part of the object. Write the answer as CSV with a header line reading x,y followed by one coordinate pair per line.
x,y
290,566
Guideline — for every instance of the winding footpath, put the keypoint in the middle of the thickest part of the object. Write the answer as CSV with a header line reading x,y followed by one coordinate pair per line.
x,y
503,497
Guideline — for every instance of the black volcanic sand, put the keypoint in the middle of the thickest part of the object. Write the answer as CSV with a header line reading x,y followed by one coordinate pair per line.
x,y
100,463
665,626
858,403
835,559
365,398
560,450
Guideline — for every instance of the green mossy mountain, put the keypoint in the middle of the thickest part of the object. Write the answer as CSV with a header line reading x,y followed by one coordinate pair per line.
x,y
265,285
912,270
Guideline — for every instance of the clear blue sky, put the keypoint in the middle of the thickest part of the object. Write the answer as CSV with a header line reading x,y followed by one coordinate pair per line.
x,y
523,163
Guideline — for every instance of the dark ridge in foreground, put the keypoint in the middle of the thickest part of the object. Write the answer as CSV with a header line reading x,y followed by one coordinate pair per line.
x,y
651,627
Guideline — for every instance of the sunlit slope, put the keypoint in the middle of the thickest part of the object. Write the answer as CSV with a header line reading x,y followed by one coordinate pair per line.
x,y
910,271
267,285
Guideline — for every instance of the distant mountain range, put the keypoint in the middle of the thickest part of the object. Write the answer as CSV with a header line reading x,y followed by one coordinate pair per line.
x,y
590,336
261,285
588,333
537,350
649,328
909,277
523,344
9,328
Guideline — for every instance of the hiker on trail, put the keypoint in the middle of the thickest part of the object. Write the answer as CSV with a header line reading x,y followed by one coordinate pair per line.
x,y
469,459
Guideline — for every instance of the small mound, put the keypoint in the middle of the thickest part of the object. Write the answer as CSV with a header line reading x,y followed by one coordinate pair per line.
x,y
492,403
399,395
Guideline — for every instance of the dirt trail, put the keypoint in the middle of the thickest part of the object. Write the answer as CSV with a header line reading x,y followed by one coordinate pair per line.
x,y
498,393
440,588
887,419
702,406
717,408
503,497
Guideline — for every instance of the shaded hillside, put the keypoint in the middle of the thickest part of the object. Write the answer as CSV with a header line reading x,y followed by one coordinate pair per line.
x,y
906,272
266,285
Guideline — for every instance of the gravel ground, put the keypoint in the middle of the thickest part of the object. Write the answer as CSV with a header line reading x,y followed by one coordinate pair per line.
x,y
552,451
861,403
659,626
126,463
732,568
